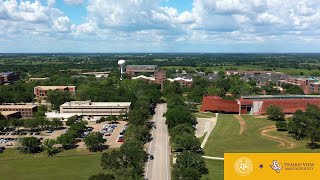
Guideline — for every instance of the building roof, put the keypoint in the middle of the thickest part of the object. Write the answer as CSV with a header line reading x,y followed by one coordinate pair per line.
x,y
54,87
4,106
8,113
59,115
89,103
217,104
179,79
144,77
288,106
7,73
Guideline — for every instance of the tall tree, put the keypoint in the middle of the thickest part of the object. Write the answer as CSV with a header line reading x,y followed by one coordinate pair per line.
x,y
94,141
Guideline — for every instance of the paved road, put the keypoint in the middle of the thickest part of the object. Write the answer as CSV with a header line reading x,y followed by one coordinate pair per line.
x,y
159,168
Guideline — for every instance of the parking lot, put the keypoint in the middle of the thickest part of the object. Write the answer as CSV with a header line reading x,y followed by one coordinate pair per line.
x,y
113,133
10,139
113,136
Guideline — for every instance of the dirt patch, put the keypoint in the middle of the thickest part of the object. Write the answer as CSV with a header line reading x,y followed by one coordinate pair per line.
x,y
242,123
282,142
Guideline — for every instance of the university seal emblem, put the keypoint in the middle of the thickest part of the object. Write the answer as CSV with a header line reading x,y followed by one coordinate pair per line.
x,y
243,166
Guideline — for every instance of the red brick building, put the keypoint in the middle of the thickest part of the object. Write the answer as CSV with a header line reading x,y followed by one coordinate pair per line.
x,y
41,91
257,105
182,81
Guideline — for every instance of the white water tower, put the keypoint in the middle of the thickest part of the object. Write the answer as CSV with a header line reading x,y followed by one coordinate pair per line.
x,y
121,63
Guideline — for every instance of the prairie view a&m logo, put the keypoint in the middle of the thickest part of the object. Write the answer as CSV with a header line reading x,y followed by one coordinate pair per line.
x,y
276,166
243,166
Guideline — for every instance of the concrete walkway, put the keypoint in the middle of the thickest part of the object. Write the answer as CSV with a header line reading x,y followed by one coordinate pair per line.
x,y
213,158
212,125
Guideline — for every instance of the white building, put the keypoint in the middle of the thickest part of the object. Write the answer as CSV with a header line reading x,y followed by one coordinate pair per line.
x,y
91,109
61,116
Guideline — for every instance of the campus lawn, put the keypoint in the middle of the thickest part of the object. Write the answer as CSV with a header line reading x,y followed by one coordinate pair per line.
x,y
215,170
204,114
71,164
225,137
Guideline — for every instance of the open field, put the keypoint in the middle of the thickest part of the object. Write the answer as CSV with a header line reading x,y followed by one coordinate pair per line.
x,y
215,170
71,164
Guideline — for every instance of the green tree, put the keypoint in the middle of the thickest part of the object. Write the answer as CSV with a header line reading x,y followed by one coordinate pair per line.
x,y
56,123
67,140
30,145
275,113
71,121
179,115
314,137
281,125
102,177
186,142
30,123
216,91
57,98
48,146
189,166
94,141
298,124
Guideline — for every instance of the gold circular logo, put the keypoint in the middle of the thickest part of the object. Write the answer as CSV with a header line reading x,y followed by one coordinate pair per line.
x,y
243,166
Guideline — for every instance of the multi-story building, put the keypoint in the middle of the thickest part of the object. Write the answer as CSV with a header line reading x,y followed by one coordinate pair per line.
x,y
133,69
25,110
308,85
8,77
91,109
41,91
182,81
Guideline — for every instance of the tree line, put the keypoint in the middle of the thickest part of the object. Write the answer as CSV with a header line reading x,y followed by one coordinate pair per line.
x,y
181,123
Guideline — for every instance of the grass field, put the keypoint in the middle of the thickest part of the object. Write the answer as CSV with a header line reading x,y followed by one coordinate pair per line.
x,y
71,164
226,138
215,170
204,114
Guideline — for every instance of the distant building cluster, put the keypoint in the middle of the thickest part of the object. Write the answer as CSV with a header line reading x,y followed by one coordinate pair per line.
x,y
308,85
8,77
261,78
257,105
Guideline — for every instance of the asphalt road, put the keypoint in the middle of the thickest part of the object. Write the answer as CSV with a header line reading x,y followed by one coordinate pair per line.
x,y
159,167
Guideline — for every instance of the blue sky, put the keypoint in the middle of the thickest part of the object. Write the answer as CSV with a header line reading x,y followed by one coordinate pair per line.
x,y
159,26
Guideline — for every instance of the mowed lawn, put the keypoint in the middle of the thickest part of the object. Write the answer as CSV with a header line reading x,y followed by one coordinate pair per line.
x,y
215,170
226,138
72,164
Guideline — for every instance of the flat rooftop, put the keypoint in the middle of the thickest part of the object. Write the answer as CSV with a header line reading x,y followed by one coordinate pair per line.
x,y
54,87
89,103
17,106
7,113
281,97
